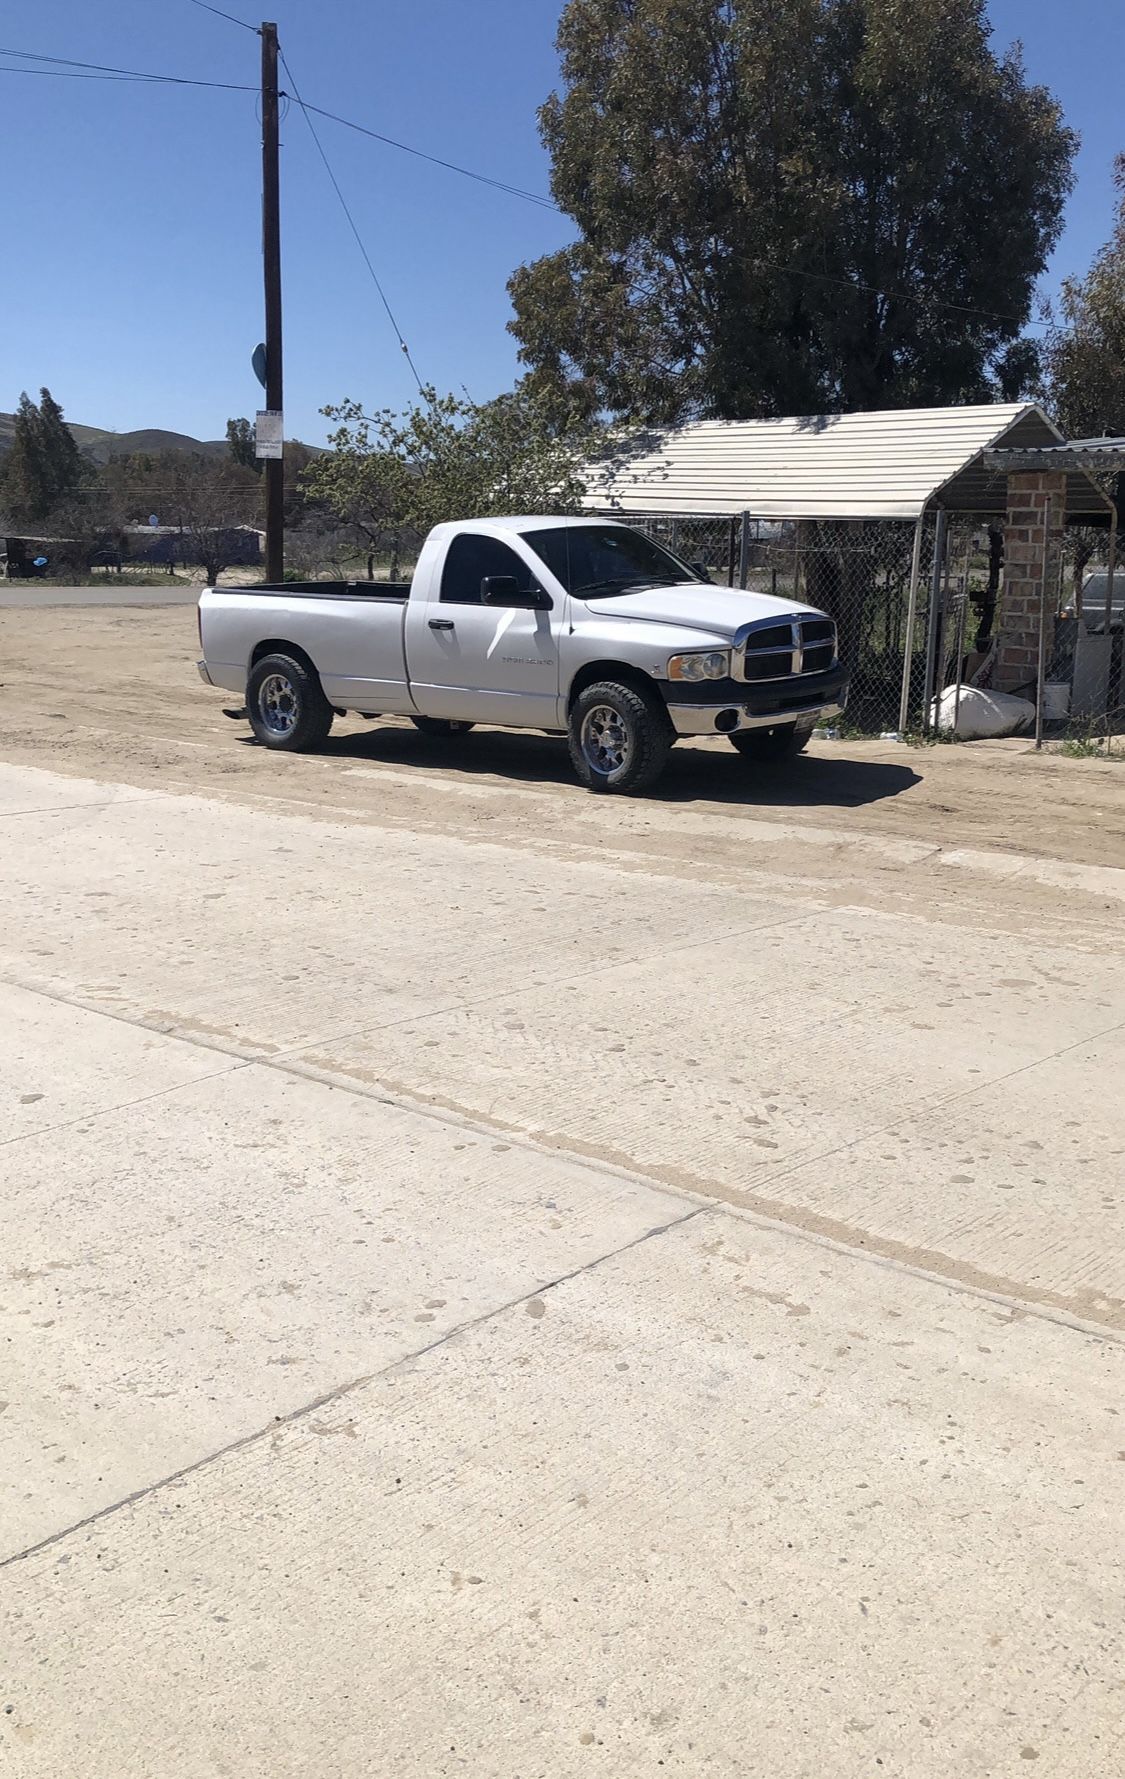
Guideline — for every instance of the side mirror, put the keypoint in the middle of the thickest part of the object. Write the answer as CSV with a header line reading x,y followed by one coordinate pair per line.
x,y
504,589
701,569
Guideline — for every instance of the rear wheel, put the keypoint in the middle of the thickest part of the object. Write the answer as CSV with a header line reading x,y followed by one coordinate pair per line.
x,y
438,726
783,742
619,738
286,706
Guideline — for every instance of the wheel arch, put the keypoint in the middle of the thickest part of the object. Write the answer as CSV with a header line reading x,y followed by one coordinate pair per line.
x,y
592,671
276,645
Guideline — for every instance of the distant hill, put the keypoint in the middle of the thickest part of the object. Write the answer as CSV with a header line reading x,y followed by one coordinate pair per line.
x,y
99,445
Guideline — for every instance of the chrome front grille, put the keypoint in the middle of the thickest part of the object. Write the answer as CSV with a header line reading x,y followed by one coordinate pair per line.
x,y
768,651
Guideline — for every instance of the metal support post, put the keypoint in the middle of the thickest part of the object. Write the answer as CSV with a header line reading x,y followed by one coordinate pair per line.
x,y
933,619
911,617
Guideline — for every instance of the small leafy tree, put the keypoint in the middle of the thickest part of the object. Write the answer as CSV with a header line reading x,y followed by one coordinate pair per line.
x,y
1084,362
298,456
446,458
1085,355
241,444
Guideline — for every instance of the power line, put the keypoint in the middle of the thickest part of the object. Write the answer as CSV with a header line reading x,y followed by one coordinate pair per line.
x,y
352,224
96,70
899,296
545,203
30,55
59,65
128,79
515,191
229,16
109,70
66,74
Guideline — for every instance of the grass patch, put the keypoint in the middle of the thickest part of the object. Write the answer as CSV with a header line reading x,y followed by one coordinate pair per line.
x,y
1091,747
931,738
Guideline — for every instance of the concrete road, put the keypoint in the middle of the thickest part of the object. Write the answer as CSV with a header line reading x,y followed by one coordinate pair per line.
x,y
510,1300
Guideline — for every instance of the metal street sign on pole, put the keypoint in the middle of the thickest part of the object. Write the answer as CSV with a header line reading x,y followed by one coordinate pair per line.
x,y
269,435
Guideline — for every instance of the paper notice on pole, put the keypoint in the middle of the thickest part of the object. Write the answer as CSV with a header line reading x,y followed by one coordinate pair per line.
x,y
268,433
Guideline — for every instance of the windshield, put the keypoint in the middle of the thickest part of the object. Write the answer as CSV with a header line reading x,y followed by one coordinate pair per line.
x,y
596,561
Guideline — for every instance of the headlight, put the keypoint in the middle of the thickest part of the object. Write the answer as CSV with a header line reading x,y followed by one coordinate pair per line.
x,y
713,665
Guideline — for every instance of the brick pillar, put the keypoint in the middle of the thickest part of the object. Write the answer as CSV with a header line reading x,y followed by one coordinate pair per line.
x,y
1032,540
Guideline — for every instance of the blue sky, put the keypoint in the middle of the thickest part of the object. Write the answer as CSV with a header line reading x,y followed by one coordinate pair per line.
x,y
132,282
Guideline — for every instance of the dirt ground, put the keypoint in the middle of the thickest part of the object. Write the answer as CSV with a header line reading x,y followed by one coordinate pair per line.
x,y
113,694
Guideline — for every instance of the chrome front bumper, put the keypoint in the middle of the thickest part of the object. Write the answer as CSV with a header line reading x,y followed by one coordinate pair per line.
x,y
696,719
730,706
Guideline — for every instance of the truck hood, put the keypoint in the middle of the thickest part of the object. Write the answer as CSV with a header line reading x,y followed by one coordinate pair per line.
x,y
721,611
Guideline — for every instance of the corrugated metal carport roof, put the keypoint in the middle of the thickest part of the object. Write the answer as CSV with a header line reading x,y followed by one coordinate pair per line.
x,y
887,465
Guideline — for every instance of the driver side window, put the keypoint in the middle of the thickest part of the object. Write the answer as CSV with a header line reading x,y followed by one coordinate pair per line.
x,y
470,558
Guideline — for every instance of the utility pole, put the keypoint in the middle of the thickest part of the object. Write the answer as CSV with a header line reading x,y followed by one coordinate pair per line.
x,y
271,257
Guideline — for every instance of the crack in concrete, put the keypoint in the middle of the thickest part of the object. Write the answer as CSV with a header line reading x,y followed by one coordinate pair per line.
x,y
530,1297
246,1055
936,1267
800,1224
68,808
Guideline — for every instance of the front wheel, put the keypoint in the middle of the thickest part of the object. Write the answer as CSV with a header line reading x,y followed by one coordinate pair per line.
x,y
765,746
286,706
439,726
619,738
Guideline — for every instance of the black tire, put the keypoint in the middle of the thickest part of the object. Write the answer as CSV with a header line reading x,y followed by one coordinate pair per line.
x,y
770,746
287,708
440,726
625,750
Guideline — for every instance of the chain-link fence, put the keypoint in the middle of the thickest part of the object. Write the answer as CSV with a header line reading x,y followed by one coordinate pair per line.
x,y
710,543
860,572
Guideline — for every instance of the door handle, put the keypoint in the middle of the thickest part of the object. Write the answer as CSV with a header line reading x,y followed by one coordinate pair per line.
x,y
442,624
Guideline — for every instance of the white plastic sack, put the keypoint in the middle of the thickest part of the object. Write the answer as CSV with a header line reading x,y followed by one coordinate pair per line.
x,y
982,714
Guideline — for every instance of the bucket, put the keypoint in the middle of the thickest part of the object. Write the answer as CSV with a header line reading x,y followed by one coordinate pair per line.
x,y
1056,700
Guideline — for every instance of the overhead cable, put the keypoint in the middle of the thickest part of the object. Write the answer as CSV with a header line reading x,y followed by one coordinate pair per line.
x,y
352,225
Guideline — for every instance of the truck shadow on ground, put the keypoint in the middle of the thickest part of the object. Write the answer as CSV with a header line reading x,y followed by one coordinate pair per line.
x,y
694,774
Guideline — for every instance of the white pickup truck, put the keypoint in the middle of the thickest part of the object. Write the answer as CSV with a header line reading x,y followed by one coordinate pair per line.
x,y
581,627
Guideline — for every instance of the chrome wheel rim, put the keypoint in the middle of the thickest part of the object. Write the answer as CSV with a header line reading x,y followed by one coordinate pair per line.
x,y
605,740
277,704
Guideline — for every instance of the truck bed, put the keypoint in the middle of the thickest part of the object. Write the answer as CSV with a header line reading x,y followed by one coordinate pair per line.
x,y
385,590
352,632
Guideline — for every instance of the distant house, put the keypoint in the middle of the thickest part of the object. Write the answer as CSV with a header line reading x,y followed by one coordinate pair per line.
x,y
168,544
21,553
